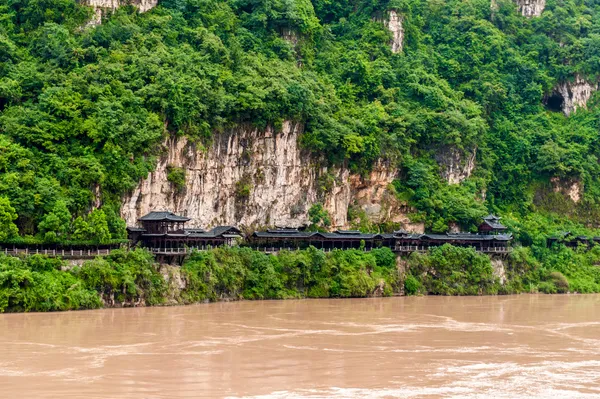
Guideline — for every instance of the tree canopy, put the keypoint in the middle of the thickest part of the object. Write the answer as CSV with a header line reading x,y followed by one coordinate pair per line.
x,y
83,110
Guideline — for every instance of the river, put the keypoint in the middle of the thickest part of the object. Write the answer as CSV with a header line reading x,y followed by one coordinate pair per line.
x,y
527,346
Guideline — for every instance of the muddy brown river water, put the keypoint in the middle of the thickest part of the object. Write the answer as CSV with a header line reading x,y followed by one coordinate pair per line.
x,y
528,346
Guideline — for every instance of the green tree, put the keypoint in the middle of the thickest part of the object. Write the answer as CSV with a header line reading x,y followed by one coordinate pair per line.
x,y
58,222
318,216
82,230
8,215
98,226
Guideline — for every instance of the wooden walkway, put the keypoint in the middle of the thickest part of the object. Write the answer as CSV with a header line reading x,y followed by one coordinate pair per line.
x,y
53,253
92,253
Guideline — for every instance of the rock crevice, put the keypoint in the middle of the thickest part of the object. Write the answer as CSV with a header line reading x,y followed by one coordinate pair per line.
x,y
575,94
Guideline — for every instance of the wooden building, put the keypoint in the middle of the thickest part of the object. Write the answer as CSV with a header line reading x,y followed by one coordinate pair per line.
x,y
570,240
488,243
165,233
277,239
491,225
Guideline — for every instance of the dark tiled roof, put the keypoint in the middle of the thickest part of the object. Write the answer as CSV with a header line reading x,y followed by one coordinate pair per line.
x,y
492,217
561,235
467,236
160,216
282,234
288,233
283,231
136,229
353,236
220,230
495,225
348,232
195,231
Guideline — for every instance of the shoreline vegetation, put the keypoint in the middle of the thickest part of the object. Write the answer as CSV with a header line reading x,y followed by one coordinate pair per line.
x,y
133,278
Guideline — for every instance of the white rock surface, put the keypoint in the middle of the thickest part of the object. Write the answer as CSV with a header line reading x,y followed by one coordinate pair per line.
x,y
101,7
284,183
575,93
531,8
394,24
571,188
456,166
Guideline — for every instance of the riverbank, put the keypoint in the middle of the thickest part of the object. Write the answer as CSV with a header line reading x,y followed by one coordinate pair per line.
x,y
132,278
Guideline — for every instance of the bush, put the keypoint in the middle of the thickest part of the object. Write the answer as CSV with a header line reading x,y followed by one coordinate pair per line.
x,y
547,287
412,286
449,270
560,282
176,176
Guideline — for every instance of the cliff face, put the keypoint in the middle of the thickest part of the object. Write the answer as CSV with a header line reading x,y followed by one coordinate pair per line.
x,y
456,165
570,188
531,8
394,24
254,178
575,94
101,7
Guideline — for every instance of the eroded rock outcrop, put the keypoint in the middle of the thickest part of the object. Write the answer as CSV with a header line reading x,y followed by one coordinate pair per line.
x,y
456,165
575,94
253,178
568,187
499,267
531,8
102,7
394,24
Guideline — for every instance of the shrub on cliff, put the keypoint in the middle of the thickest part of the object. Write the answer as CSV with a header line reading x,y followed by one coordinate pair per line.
x,y
38,285
176,176
560,282
127,277
244,273
412,286
449,270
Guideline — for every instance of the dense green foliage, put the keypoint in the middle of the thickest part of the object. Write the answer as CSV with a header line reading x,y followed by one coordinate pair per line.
x,y
244,273
131,278
83,110
449,270
37,284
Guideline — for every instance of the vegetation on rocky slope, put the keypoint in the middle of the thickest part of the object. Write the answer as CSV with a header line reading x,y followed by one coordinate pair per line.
x,y
132,278
83,110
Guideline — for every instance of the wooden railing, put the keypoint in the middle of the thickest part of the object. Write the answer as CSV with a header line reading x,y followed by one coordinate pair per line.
x,y
63,253
420,248
92,253
179,251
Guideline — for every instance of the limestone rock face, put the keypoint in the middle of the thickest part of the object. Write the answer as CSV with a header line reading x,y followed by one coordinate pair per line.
x,y
456,166
253,178
101,7
531,8
394,24
570,188
575,94
499,267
